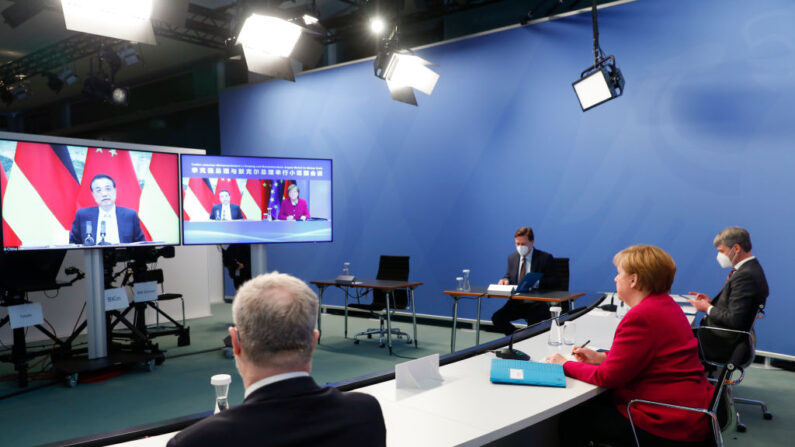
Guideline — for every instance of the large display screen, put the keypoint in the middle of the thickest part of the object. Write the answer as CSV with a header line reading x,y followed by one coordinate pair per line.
x,y
57,196
233,200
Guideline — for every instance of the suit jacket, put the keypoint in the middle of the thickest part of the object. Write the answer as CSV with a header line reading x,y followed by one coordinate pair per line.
x,y
737,303
234,210
735,307
654,356
541,261
126,219
293,412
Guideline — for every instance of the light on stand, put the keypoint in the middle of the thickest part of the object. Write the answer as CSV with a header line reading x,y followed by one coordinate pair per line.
x,y
603,80
403,71
122,19
267,44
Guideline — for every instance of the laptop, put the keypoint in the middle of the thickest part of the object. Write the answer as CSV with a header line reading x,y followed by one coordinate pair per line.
x,y
520,372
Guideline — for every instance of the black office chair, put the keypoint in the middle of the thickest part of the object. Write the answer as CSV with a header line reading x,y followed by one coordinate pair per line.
x,y
562,269
175,328
710,336
719,409
391,268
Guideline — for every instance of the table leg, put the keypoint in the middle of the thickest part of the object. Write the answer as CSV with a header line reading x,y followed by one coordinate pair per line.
x,y
389,295
477,324
347,289
455,322
413,316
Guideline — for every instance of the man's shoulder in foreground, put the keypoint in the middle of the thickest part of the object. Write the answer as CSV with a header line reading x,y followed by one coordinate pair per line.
x,y
292,412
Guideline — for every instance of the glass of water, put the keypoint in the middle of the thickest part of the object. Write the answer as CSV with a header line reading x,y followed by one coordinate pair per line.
x,y
569,333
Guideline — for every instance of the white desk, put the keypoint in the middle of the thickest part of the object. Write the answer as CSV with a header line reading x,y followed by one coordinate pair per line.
x,y
467,409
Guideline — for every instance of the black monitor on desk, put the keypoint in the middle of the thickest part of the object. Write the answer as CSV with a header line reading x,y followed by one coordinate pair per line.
x,y
27,271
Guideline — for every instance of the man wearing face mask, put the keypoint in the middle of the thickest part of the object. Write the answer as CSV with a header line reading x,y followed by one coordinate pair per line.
x,y
526,259
737,303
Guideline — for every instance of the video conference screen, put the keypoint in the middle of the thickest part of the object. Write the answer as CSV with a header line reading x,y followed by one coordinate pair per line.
x,y
233,200
58,196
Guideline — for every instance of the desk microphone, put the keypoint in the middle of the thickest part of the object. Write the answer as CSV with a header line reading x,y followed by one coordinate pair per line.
x,y
510,353
102,232
610,307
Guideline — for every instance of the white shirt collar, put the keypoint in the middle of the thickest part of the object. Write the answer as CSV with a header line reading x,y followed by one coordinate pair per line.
x,y
740,264
273,379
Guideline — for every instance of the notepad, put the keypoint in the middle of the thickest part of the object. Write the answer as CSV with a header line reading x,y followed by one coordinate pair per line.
x,y
527,373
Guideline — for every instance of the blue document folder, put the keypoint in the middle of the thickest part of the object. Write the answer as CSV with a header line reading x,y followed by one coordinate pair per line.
x,y
527,373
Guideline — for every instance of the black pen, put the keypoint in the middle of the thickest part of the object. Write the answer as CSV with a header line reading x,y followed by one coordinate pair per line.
x,y
585,344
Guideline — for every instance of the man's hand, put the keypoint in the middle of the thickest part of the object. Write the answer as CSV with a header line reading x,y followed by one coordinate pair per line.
x,y
701,302
303,217
239,265
290,217
555,358
503,282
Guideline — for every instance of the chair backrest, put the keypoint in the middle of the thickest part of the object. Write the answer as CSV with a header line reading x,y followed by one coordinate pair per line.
x,y
392,268
562,269
719,404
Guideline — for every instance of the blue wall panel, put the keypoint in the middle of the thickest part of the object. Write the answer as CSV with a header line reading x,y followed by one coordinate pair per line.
x,y
702,139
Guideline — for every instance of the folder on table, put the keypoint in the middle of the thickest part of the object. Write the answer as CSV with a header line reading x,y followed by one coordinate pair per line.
x,y
527,373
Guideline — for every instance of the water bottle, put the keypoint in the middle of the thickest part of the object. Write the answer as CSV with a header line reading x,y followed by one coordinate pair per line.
x,y
346,268
555,336
621,309
221,384
467,287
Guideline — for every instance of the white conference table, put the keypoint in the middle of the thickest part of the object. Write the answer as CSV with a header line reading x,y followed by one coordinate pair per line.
x,y
467,409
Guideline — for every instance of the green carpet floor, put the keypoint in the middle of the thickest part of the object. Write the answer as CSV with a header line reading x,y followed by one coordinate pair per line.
x,y
50,411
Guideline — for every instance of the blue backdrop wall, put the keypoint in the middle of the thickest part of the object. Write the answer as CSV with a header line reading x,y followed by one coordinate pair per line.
x,y
702,139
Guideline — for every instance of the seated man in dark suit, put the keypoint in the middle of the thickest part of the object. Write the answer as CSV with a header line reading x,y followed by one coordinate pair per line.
x,y
273,340
737,303
518,266
105,223
225,210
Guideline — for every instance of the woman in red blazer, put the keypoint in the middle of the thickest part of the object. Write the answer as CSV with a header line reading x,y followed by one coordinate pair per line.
x,y
654,356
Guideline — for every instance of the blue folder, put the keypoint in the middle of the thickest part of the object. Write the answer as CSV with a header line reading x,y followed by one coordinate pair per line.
x,y
527,373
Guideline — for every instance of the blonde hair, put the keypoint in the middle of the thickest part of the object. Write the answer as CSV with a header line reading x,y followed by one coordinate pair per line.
x,y
655,268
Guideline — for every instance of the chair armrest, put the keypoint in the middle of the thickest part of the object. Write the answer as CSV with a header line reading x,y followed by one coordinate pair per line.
x,y
713,417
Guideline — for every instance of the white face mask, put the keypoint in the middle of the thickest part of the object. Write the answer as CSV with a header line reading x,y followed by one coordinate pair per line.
x,y
522,249
724,260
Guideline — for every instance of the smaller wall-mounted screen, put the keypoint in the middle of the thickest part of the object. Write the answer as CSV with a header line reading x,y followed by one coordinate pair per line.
x,y
57,196
236,200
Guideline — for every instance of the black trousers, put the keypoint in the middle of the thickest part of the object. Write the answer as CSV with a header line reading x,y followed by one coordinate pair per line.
x,y
598,421
530,311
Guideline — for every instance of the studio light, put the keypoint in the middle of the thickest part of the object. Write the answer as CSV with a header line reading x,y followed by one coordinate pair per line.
x,y
403,71
377,25
309,20
128,55
267,44
103,89
14,92
122,19
603,80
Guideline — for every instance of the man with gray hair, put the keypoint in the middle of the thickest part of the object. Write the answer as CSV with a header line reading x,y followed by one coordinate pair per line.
x,y
273,340
737,303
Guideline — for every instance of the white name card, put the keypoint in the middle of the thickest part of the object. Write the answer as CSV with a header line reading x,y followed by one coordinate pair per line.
x,y
145,291
24,315
116,299
422,373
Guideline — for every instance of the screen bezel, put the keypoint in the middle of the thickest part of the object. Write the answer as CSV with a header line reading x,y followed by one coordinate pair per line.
x,y
182,217
104,144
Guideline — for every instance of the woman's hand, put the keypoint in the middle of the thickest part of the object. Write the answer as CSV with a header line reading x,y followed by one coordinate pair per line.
x,y
589,356
555,358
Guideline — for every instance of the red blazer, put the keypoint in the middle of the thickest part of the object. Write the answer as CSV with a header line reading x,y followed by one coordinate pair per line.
x,y
655,357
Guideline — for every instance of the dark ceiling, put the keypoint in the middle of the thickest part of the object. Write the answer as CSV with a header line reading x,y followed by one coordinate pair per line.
x,y
34,41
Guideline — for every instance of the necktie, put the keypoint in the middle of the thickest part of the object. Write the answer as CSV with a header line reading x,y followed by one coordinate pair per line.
x,y
731,272
521,268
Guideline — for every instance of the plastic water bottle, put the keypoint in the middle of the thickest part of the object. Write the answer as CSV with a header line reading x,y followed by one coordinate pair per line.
x,y
555,336
621,309
467,287
346,268
221,383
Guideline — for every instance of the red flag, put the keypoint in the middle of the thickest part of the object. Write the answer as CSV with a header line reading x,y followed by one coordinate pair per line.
x,y
118,165
159,204
197,199
10,239
49,170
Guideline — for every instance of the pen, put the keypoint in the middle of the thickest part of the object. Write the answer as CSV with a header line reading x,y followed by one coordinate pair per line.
x,y
585,344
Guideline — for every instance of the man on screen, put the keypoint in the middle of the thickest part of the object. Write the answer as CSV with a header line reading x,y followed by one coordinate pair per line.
x,y
105,223
225,210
